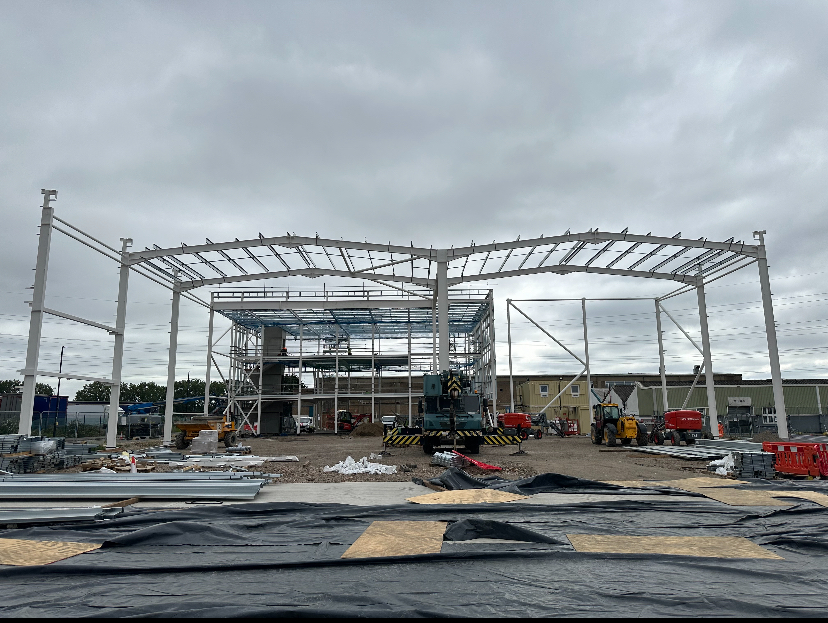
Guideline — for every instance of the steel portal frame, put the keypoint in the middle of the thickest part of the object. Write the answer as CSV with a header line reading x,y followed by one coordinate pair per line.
x,y
689,262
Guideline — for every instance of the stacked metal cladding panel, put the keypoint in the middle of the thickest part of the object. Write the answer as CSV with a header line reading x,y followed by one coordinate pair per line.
x,y
355,349
753,464
22,454
705,449
179,487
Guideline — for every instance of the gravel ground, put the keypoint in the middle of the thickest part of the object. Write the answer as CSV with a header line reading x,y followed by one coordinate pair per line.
x,y
574,456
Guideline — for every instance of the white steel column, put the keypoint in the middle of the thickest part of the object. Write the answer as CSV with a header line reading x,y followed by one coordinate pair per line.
x,y
260,343
586,357
442,311
170,406
819,401
299,377
492,358
708,362
661,369
509,341
118,353
410,416
373,373
434,368
336,378
36,320
209,359
770,331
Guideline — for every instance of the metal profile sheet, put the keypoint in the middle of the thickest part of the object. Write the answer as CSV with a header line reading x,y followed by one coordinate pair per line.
x,y
128,477
285,559
245,489
56,515
681,452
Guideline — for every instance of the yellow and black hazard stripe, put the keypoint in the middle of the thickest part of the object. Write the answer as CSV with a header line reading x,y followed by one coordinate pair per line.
x,y
401,440
501,440
453,383
459,433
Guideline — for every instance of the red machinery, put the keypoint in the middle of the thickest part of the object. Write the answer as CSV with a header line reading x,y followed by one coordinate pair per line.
x,y
348,421
682,425
522,422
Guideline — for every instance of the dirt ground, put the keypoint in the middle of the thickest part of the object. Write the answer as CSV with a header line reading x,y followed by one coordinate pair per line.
x,y
574,456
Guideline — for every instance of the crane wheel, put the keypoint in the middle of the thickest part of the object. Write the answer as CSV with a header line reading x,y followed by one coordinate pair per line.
x,y
539,434
611,432
523,433
428,449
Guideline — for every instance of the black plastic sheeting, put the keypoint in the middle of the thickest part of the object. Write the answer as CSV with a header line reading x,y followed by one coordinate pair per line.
x,y
497,560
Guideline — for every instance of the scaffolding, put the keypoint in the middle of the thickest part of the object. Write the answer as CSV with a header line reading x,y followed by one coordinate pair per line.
x,y
341,344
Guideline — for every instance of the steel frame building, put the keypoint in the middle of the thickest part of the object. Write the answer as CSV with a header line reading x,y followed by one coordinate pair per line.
x,y
336,331
691,263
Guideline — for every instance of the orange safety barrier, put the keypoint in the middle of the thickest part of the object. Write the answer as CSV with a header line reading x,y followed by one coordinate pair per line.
x,y
801,459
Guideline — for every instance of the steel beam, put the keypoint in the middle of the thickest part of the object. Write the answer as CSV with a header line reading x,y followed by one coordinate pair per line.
x,y
661,368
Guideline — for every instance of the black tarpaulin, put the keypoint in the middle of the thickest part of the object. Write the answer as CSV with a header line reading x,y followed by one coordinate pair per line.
x,y
502,560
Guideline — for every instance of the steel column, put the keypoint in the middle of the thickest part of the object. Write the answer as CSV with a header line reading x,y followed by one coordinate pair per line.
x,y
410,416
373,373
509,341
260,343
770,331
36,320
661,369
209,359
492,359
336,373
299,375
118,352
442,305
170,406
435,369
586,357
708,362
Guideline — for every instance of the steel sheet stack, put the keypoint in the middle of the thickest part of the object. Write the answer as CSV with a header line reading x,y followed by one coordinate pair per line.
x,y
21,454
753,464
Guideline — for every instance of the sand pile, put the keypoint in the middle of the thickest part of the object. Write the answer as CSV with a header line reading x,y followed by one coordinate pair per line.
x,y
368,429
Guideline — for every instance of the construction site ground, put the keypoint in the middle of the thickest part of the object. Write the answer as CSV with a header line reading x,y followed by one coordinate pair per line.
x,y
573,456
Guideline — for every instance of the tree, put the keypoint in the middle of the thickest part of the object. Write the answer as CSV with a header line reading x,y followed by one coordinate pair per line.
x,y
44,389
13,386
142,392
94,392
10,386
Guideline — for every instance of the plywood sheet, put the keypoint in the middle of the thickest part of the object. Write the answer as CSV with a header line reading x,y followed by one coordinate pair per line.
x,y
813,496
713,489
466,496
22,553
707,546
398,538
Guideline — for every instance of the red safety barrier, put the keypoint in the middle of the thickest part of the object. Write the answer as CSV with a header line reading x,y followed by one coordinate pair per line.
x,y
801,459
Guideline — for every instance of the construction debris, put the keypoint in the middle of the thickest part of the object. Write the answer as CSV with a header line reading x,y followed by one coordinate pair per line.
x,y
349,466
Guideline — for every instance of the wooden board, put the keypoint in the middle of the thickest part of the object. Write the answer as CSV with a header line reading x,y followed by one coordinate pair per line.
x,y
398,538
22,553
706,546
467,496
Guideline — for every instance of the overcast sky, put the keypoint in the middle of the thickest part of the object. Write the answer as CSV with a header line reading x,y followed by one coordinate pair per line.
x,y
432,122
